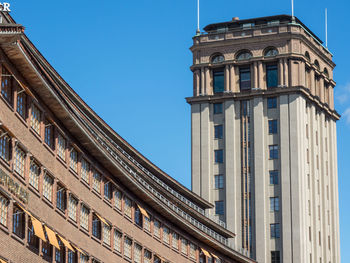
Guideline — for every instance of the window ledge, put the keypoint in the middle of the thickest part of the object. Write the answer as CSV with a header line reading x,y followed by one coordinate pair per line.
x,y
70,170
109,203
21,119
7,103
5,165
33,190
4,228
117,253
49,149
20,178
36,134
117,210
61,161
85,231
74,223
86,184
49,203
96,239
60,212
17,238
96,193
106,246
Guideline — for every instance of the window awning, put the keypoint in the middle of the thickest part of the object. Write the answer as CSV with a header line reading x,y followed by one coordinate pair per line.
x,y
143,211
52,237
206,252
66,243
102,219
25,211
2,261
214,256
38,229
78,249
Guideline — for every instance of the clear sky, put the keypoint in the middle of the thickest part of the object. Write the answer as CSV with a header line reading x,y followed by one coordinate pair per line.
x,y
129,60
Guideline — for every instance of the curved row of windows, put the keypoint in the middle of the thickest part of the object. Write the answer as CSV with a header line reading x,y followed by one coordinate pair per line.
x,y
316,63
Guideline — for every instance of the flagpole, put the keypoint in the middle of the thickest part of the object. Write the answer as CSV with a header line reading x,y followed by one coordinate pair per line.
x,y
326,16
198,29
292,2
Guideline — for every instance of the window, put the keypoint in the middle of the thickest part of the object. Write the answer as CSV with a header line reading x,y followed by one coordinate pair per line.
x,y
84,171
4,146
219,156
18,222
118,241
47,189
147,224
274,177
72,257
21,104
217,59
218,80
33,240
184,246
275,230
157,260
61,152
175,240
218,131
60,255
83,258
244,79
61,198
138,216
272,103
244,55
73,160
193,250
272,76
137,253
19,162
72,208
217,108
96,182
6,85
271,52
3,210
35,119
34,173
275,257
272,126
84,217
274,204
147,256
219,181
108,190
273,152
49,139
166,235
118,199
127,207
219,207
127,247
156,228
107,234
96,227
46,247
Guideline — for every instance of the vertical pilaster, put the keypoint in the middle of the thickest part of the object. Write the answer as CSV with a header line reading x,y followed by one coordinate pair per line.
x,y
255,75
196,147
286,72
232,79
205,152
312,82
202,82
207,82
227,78
280,72
261,75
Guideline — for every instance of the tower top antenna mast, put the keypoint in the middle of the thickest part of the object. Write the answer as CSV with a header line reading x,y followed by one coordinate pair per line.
x,y
198,31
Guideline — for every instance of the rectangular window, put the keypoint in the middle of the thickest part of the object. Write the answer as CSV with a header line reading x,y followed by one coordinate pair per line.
x,y
274,177
274,204
72,208
18,222
275,257
118,241
272,126
184,246
84,217
166,235
3,210
271,76
193,250
147,256
218,80
35,119
137,253
219,207
107,234
219,156
73,160
219,181
108,190
138,216
4,146
96,227
72,257
33,240
275,230
156,228
61,198
147,223
21,104
127,247
127,207
118,199
34,174
96,182
175,240
84,171
272,103
61,149
83,258
47,187
217,108
218,131
6,85
273,152
19,163
244,79
46,248
49,136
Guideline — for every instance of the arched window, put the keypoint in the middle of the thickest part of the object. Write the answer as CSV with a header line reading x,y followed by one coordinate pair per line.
x,y
325,71
218,58
317,64
307,55
271,52
244,55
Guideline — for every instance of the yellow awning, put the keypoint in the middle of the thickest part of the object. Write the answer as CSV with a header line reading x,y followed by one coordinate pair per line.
x,y
205,252
78,249
66,243
143,211
102,219
214,256
38,229
2,261
52,237
25,211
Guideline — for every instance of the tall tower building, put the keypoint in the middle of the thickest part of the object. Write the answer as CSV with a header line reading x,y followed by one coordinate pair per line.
x,y
264,137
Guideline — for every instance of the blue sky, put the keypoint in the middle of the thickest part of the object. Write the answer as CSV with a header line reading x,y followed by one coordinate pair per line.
x,y
129,60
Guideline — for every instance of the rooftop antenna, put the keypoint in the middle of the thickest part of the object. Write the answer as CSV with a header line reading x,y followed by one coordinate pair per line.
x,y
326,21
293,18
198,31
